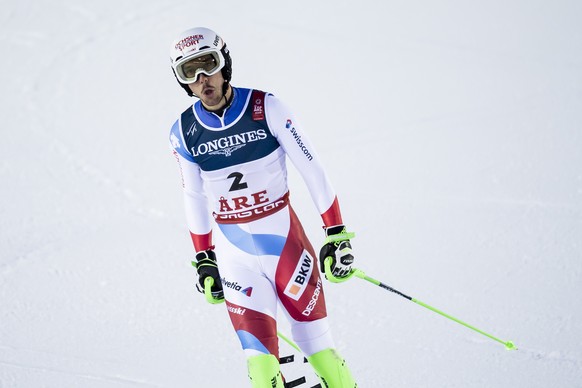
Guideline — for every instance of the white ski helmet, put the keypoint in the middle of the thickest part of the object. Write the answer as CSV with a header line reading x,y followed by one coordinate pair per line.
x,y
199,51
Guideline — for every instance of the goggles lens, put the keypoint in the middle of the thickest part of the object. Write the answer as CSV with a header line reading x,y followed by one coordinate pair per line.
x,y
189,70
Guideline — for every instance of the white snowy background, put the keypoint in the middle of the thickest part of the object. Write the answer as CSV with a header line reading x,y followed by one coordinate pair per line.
x,y
452,132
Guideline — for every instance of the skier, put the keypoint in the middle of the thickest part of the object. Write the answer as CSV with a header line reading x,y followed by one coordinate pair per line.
x,y
231,146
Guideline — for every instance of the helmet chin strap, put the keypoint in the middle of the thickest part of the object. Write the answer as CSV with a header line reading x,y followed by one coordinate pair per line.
x,y
227,101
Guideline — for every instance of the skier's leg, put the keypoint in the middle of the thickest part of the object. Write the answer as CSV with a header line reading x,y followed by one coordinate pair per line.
x,y
300,291
315,340
257,332
251,303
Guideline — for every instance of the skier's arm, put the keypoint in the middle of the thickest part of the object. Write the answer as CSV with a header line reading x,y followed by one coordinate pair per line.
x,y
301,152
199,224
289,133
195,201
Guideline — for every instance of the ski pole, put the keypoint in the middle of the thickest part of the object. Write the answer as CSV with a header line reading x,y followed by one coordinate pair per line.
x,y
360,274
208,283
288,340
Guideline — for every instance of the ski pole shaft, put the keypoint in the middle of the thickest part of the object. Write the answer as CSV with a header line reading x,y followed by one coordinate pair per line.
x,y
288,340
358,273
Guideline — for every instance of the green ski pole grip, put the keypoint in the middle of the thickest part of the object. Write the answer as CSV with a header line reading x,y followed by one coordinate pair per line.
x,y
208,283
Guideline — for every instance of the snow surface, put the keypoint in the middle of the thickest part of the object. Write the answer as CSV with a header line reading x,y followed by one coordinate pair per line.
x,y
452,133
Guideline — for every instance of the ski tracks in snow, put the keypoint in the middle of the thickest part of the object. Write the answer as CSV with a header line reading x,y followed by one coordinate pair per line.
x,y
53,363
552,356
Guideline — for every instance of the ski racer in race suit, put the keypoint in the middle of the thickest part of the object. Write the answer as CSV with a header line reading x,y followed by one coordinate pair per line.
x,y
231,146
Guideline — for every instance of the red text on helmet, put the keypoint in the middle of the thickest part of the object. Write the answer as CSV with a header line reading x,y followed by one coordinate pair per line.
x,y
189,41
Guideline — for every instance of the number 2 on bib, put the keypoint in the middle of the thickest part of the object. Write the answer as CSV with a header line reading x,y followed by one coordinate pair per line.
x,y
237,183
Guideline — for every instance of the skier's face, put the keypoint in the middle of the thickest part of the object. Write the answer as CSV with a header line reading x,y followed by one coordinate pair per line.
x,y
209,90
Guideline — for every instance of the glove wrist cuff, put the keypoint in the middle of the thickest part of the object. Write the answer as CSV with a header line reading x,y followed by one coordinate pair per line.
x,y
206,254
337,233
334,229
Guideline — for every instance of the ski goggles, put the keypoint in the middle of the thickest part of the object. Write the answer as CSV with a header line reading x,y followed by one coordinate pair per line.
x,y
189,68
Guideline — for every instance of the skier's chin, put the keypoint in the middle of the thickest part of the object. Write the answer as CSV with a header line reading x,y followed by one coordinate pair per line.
x,y
213,102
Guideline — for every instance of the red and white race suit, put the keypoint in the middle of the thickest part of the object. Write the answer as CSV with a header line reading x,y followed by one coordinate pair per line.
x,y
234,173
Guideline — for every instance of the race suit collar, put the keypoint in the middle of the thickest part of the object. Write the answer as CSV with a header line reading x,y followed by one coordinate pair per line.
x,y
231,113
